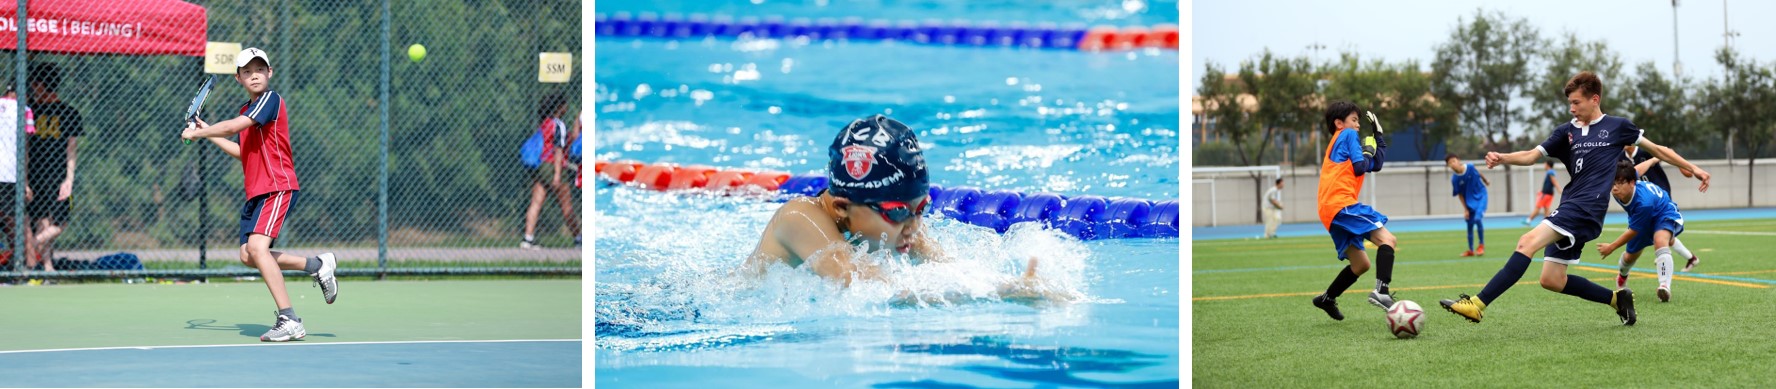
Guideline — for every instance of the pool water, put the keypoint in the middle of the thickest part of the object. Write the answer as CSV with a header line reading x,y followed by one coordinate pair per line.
x,y
670,312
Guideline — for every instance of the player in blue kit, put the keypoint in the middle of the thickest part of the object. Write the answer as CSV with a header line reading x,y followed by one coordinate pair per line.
x,y
1652,172
1470,189
1653,220
1590,146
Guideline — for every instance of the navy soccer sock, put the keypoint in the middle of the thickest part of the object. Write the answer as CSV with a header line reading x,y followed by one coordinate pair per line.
x,y
1506,277
1585,289
1344,281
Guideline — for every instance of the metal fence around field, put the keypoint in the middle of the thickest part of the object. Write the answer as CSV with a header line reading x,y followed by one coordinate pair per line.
x,y
406,166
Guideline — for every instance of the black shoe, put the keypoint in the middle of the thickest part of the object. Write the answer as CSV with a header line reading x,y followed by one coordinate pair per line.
x,y
1623,302
1330,305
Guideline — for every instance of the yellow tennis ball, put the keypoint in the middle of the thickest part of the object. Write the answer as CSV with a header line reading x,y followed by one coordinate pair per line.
x,y
416,52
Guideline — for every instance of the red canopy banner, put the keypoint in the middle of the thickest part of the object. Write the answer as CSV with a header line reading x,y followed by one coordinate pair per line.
x,y
136,27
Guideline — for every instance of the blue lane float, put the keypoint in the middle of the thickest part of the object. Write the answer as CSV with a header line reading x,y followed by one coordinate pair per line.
x,y
1086,217
958,33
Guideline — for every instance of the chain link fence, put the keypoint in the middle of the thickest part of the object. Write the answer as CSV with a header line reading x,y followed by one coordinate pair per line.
x,y
456,193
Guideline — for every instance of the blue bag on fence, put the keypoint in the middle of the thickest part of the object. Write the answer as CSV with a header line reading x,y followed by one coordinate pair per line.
x,y
531,154
573,152
118,261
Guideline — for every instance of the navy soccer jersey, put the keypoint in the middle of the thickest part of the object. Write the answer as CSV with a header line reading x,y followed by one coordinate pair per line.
x,y
1655,174
1472,190
1590,153
1548,182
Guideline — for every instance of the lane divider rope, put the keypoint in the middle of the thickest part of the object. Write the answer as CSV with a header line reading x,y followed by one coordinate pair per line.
x,y
956,33
1086,217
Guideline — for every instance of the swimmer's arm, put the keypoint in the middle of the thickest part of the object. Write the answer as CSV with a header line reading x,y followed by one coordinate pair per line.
x,y
821,247
1029,289
835,263
907,298
926,249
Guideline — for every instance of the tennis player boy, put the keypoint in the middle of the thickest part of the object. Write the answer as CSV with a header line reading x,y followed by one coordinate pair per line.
x,y
270,171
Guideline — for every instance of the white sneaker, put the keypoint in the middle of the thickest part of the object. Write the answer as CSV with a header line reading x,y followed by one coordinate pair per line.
x,y
324,277
285,330
528,245
1378,299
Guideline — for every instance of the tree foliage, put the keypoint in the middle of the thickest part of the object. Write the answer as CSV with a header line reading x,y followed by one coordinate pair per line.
x,y
1563,59
456,121
1483,66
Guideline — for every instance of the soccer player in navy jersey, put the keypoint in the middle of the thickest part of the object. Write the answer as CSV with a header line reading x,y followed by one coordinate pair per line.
x,y
1590,146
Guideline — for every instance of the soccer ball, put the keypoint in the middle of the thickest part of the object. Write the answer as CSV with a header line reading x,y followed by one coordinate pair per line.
x,y
1405,319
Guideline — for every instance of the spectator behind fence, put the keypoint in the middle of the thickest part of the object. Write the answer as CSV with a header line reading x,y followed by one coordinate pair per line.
x,y
50,174
9,109
548,146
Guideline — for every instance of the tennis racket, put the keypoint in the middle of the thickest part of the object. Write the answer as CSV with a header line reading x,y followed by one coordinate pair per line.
x,y
197,102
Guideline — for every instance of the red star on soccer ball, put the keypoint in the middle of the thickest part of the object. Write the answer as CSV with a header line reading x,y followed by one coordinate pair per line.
x,y
1411,315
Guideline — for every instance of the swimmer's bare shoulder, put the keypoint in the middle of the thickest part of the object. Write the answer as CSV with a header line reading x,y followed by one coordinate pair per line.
x,y
797,230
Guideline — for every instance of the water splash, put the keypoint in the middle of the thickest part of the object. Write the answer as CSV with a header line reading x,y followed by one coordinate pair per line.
x,y
667,279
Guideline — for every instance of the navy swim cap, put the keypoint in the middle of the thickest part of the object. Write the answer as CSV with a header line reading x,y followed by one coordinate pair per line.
x,y
877,159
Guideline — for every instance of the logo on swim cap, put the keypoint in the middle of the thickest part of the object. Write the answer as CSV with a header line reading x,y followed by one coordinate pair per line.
x,y
858,160
876,159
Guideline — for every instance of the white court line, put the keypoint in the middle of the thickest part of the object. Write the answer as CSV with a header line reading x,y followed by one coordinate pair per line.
x,y
281,344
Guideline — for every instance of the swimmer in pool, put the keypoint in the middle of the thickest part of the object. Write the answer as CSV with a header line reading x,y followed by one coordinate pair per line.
x,y
876,197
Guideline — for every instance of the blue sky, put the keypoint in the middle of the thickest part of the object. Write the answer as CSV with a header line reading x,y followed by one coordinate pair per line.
x,y
1639,30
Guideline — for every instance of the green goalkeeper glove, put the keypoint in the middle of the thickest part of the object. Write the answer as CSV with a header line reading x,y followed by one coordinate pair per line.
x,y
1369,148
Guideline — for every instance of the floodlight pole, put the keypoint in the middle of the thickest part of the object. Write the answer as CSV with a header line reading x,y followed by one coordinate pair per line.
x,y
1676,63
1727,35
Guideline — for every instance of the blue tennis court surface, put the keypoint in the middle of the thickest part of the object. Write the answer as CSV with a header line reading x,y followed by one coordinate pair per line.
x,y
1455,224
519,363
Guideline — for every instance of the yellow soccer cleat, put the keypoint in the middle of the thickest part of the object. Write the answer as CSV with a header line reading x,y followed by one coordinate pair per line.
x,y
1466,306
